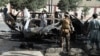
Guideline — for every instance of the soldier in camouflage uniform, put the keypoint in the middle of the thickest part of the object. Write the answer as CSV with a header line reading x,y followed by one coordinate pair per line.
x,y
65,32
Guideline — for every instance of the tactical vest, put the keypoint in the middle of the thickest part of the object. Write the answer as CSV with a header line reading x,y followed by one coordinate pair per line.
x,y
66,25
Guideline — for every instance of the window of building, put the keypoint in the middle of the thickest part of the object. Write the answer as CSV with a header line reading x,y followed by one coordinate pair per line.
x,y
88,0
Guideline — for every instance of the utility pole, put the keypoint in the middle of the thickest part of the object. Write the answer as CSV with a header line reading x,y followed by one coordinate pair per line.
x,y
51,5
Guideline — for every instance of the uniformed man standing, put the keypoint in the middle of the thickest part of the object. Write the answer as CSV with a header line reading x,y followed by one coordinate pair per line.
x,y
65,32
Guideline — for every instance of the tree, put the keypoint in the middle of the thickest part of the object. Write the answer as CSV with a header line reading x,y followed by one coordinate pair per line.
x,y
62,5
30,4
3,2
73,4
85,10
68,4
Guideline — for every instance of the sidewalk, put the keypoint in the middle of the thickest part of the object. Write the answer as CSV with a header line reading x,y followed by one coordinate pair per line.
x,y
1,16
3,26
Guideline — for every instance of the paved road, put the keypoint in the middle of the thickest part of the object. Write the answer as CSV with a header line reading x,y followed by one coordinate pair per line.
x,y
3,26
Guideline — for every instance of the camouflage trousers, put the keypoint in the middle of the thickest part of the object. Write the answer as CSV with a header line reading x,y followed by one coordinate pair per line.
x,y
65,41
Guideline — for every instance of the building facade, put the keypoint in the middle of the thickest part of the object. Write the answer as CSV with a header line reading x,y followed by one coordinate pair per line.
x,y
90,3
52,5
94,6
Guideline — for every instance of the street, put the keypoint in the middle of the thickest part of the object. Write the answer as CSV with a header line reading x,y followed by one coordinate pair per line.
x,y
10,45
49,27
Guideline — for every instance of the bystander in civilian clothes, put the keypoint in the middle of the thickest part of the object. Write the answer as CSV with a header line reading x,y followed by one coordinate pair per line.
x,y
43,22
94,31
5,13
26,14
27,17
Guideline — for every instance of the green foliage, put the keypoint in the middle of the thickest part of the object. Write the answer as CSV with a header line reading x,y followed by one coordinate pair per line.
x,y
3,2
73,4
85,10
62,5
31,4
68,4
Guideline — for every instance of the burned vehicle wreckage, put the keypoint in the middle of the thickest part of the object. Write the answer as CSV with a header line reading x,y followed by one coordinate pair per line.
x,y
32,29
35,30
